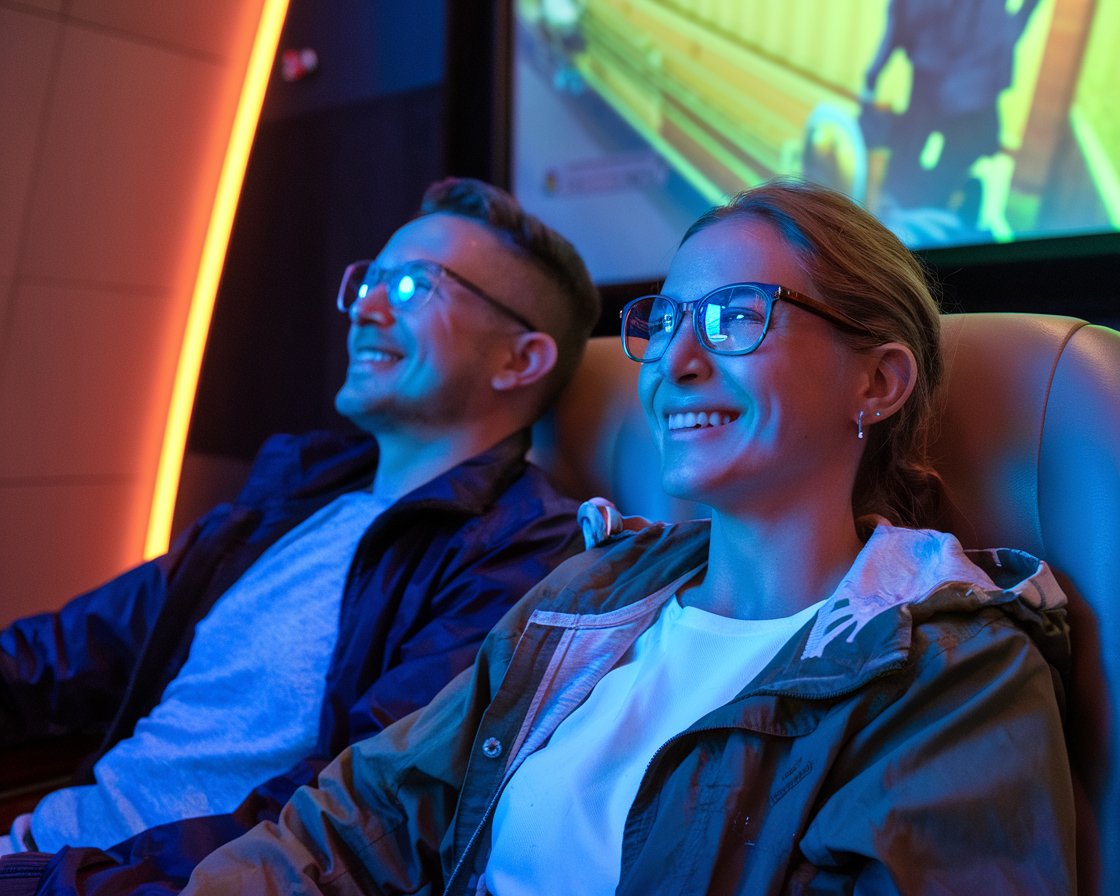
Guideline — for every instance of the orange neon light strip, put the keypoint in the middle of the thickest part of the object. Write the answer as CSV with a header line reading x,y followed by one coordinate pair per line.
x,y
209,272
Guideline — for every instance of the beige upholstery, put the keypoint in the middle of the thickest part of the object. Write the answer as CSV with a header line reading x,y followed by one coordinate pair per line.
x,y
1029,446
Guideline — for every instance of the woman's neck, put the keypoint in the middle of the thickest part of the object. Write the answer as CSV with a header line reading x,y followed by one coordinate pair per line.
x,y
765,570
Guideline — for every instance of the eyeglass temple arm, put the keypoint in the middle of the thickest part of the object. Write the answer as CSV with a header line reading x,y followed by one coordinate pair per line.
x,y
834,315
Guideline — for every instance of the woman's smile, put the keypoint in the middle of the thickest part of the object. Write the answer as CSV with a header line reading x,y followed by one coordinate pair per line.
x,y
699,420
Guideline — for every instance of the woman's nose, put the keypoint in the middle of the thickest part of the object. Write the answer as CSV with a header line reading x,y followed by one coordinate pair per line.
x,y
685,358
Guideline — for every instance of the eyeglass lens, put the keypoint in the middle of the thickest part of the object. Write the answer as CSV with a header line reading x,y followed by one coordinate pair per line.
x,y
411,283
731,320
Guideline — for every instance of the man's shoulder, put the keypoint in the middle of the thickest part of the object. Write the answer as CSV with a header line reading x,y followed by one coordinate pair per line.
x,y
501,483
534,482
314,445
526,505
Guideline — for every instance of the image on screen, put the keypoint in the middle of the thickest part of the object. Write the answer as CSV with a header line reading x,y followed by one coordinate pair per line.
x,y
957,122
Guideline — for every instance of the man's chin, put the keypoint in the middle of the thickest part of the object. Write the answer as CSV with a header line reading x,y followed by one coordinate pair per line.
x,y
362,412
344,403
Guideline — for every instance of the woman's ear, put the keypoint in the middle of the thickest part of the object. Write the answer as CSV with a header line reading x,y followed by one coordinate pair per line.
x,y
532,358
893,373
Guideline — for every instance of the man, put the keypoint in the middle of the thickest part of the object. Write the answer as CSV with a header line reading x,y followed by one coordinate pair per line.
x,y
351,579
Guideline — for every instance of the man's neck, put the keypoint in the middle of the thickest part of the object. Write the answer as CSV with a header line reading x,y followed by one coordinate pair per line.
x,y
406,463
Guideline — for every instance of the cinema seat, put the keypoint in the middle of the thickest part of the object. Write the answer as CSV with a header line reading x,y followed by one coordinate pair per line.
x,y
1028,443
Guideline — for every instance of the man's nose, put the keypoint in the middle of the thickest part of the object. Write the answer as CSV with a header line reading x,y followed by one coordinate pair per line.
x,y
372,306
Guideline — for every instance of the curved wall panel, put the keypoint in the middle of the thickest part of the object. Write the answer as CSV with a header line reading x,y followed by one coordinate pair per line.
x,y
116,115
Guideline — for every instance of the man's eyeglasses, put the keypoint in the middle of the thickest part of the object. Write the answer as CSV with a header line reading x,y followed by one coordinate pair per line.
x,y
731,320
408,286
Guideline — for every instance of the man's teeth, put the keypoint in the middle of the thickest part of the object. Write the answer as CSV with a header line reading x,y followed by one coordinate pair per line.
x,y
698,421
372,354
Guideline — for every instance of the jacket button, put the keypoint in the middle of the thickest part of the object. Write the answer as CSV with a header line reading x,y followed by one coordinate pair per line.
x,y
491,748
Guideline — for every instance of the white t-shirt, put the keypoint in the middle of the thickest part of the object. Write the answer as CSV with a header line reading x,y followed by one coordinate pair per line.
x,y
559,822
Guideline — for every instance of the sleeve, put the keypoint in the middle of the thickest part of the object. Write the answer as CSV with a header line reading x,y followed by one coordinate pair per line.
x,y
961,785
373,825
65,672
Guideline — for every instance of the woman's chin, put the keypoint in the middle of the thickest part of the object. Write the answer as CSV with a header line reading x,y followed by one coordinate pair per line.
x,y
685,487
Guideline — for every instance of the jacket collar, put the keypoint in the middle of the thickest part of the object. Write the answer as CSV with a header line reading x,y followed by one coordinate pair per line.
x,y
864,628
476,483
321,465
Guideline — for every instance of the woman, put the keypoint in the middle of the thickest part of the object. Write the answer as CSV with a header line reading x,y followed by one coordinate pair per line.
x,y
804,695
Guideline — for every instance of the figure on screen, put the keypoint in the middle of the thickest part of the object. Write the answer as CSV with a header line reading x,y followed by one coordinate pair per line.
x,y
962,57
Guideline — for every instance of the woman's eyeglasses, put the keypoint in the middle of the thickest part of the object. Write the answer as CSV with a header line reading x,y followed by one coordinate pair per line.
x,y
730,320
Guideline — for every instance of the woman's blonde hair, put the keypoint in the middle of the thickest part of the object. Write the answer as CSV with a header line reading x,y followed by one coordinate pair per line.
x,y
861,268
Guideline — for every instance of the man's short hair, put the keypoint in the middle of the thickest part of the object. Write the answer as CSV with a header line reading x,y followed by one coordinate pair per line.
x,y
539,244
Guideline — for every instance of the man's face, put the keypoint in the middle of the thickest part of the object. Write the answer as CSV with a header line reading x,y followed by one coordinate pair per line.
x,y
425,370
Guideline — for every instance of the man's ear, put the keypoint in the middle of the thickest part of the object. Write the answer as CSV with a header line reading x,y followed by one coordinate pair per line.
x,y
531,359
893,371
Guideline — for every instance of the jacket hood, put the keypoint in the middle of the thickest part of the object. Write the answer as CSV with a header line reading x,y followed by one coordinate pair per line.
x,y
928,572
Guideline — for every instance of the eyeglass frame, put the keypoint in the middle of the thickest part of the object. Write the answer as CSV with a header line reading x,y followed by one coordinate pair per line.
x,y
385,275
773,293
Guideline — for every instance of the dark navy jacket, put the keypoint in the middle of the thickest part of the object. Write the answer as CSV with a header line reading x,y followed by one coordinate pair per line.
x,y
430,577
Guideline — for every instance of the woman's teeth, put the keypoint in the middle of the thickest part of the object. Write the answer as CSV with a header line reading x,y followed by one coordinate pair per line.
x,y
699,420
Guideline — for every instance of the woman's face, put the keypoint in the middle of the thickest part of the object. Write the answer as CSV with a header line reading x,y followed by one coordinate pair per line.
x,y
753,431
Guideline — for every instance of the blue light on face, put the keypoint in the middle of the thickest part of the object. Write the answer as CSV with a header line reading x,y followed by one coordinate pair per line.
x,y
363,291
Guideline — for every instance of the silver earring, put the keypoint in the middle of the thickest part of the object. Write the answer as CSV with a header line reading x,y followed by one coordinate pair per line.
x,y
859,425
